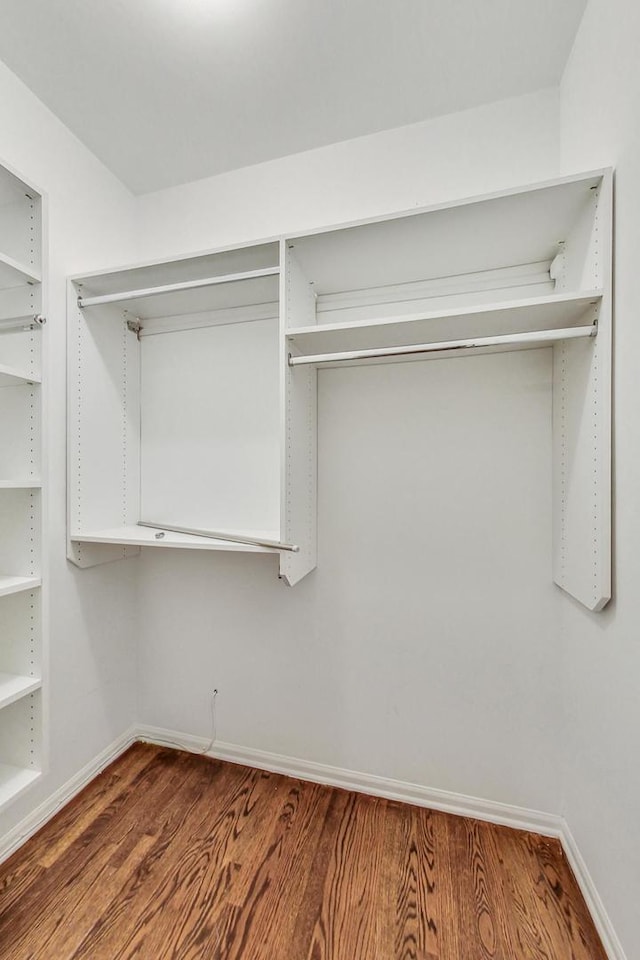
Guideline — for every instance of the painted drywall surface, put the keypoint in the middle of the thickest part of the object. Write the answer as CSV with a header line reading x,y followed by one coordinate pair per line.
x,y
492,147
420,647
600,110
92,676
423,646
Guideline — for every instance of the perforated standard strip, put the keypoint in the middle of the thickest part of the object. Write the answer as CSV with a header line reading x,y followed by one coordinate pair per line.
x,y
78,433
595,492
563,460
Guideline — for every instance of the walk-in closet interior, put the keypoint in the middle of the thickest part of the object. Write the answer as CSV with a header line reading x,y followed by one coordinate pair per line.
x,y
319,464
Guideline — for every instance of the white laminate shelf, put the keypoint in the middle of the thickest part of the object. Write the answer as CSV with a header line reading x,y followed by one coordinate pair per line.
x,y
13,687
10,585
22,483
16,274
13,780
551,312
136,536
11,376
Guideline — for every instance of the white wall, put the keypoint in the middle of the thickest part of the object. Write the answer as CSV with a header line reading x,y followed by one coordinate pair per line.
x,y
92,678
420,648
600,110
490,148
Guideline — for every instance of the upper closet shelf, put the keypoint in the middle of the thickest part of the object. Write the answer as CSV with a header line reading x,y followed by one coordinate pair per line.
x,y
15,274
235,281
548,314
10,377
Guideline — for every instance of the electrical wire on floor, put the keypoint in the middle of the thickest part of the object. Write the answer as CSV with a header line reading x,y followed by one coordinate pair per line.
x,y
181,745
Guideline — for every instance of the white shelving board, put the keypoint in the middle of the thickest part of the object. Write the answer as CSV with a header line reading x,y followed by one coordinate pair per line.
x,y
146,537
9,584
15,274
21,484
14,687
550,312
10,377
15,780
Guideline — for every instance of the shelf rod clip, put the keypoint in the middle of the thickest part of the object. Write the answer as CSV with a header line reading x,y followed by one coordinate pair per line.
x,y
134,325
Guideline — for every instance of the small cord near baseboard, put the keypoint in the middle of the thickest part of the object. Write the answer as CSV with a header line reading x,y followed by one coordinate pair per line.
x,y
180,745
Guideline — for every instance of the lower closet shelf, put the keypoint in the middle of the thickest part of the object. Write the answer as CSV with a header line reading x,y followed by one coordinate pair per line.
x,y
145,537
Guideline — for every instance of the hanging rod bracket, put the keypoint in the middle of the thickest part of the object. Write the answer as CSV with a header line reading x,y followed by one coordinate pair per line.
x,y
134,326
23,323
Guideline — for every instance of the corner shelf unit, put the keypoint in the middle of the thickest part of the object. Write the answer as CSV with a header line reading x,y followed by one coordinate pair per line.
x,y
21,496
193,382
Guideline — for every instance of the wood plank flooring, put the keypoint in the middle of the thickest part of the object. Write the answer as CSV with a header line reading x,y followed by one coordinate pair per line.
x,y
169,856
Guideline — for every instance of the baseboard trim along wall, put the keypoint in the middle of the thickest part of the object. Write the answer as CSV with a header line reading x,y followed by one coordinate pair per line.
x,y
48,809
547,824
605,928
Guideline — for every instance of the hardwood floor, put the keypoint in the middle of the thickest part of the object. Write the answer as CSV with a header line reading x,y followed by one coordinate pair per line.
x,y
169,855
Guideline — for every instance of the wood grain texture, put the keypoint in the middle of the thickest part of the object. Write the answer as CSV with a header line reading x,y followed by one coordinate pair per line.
x,y
169,856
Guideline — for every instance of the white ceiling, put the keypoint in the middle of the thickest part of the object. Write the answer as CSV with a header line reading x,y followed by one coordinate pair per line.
x,y
166,91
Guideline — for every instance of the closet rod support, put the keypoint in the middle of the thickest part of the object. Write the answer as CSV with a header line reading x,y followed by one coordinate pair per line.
x,y
515,339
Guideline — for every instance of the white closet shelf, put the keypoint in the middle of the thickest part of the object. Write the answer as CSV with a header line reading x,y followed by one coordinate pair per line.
x,y
13,687
126,296
10,377
17,584
21,484
16,274
144,537
13,780
450,348
552,312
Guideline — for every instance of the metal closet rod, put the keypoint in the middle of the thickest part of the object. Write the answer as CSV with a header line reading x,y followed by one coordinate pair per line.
x,y
537,336
177,287
212,535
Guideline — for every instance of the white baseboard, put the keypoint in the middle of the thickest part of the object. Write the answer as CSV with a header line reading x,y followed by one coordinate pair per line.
x,y
38,817
600,917
548,824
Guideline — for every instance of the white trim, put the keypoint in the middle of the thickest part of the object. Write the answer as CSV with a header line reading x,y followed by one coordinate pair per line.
x,y
38,817
537,821
599,915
